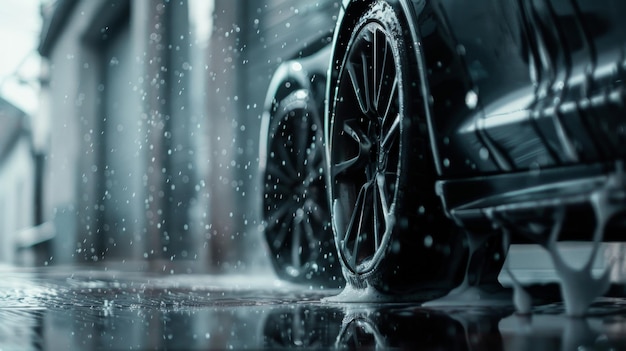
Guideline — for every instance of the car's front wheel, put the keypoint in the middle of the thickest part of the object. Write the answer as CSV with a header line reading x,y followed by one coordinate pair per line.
x,y
390,230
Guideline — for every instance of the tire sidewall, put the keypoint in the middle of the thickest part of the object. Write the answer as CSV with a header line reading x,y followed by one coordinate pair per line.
x,y
399,269
383,14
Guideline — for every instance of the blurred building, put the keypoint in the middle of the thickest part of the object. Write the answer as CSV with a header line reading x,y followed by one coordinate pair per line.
x,y
154,109
19,186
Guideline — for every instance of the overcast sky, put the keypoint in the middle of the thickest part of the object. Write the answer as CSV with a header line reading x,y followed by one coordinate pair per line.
x,y
20,24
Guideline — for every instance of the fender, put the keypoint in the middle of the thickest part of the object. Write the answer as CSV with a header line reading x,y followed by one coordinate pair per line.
x,y
300,73
445,82
287,78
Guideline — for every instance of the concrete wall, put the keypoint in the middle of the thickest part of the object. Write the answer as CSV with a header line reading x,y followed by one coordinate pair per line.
x,y
17,194
120,178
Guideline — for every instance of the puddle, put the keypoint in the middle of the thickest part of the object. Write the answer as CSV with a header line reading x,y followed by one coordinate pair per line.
x,y
117,310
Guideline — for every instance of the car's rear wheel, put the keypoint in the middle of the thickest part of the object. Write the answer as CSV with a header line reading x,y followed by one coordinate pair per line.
x,y
389,227
295,204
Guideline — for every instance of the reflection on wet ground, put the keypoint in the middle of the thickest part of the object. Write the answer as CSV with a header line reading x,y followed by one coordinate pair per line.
x,y
122,311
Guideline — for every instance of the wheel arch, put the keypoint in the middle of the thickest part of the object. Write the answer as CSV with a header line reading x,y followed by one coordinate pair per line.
x,y
305,73
288,77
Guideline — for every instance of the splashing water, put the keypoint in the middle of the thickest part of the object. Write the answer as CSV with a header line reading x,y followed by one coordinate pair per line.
x,y
352,294
476,294
578,286
521,298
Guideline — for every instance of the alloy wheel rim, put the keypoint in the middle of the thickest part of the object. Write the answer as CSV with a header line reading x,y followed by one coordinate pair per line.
x,y
366,148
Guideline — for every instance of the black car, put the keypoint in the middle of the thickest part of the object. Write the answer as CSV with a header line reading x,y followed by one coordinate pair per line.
x,y
401,152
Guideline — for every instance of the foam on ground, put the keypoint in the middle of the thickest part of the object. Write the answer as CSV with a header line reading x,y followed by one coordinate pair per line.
x,y
351,294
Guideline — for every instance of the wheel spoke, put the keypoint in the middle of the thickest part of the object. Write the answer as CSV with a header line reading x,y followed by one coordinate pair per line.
x,y
359,231
317,213
303,138
314,159
366,82
309,233
353,72
296,243
359,199
393,94
383,72
314,169
314,156
345,166
278,173
280,212
377,206
315,178
391,134
352,129
362,213
284,157
375,59
311,176
276,190
382,192
281,235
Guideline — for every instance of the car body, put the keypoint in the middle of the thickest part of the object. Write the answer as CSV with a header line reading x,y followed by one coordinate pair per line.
x,y
511,119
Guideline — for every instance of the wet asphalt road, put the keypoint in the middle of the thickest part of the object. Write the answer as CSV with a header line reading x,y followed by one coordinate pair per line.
x,y
100,310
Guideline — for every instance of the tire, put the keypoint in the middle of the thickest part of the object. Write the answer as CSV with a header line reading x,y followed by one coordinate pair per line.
x,y
295,204
390,230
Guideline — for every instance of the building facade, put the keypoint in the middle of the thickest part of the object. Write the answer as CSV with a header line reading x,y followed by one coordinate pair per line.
x,y
18,186
155,109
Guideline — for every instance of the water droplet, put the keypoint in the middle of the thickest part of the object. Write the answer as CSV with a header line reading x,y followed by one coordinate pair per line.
x,y
460,49
484,153
471,99
428,241
395,247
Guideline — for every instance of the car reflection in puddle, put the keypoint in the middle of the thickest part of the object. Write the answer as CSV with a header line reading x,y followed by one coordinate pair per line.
x,y
115,310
